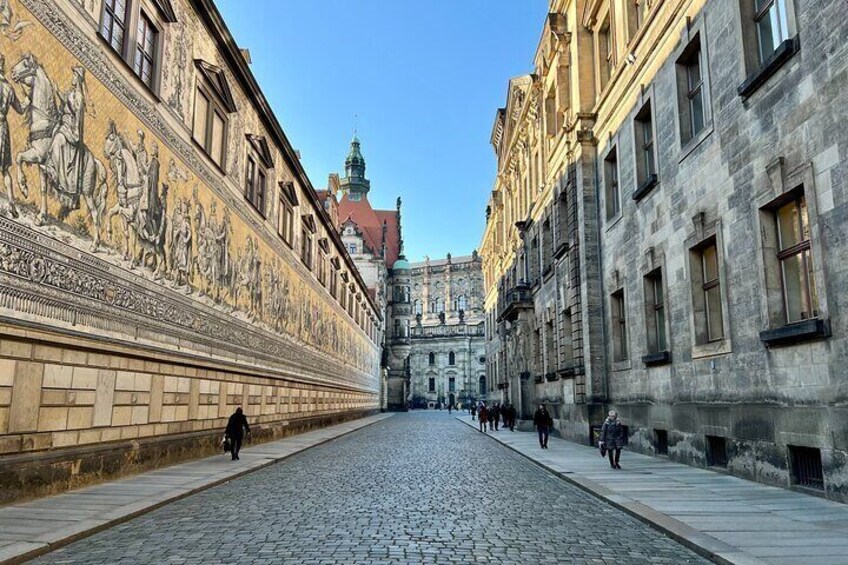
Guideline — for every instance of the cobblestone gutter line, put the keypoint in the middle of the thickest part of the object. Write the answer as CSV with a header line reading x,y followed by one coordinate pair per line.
x,y
39,527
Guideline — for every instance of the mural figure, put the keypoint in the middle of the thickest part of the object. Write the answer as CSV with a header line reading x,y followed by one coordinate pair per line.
x,y
8,99
66,166
152,219
213,261
278,297
249,277
181,239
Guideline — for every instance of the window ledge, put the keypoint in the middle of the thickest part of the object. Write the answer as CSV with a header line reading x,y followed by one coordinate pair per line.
x,y
539,378
645,187
711,349
783,53
551,377
656,359
548,270
796,333
561,250
623,365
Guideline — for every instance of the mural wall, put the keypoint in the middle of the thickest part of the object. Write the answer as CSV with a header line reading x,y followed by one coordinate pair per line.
x,y
82,172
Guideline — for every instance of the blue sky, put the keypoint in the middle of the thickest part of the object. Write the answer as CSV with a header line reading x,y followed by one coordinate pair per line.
x,y
424,80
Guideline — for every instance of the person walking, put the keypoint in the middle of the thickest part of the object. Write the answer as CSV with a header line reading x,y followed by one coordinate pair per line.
x,y
505,414
543,422
495,416
482,416
612,438
473,410
236,427
510,416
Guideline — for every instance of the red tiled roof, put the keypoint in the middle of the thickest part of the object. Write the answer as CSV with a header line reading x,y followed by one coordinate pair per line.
x,y
370,223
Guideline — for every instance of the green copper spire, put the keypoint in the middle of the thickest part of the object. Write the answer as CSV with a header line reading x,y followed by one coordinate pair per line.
x,y
354,181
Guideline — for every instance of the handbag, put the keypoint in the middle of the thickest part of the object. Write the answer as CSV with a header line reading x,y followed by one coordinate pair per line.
x,y
603,449
227,444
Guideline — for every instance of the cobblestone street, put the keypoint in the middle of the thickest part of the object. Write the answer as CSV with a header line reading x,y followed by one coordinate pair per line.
x,y
415,488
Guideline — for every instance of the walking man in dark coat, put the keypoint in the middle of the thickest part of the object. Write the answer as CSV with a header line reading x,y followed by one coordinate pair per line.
x,y
495,416
236,427
543,422
612,437
510,416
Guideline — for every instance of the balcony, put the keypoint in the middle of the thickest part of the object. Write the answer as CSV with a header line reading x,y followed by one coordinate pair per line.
x,y
441,331
515,300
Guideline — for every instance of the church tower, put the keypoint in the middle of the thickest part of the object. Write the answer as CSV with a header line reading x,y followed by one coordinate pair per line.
x,y
354,182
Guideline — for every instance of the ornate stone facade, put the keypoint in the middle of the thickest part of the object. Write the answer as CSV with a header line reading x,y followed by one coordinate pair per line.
x,y
147,283
447,350
695,153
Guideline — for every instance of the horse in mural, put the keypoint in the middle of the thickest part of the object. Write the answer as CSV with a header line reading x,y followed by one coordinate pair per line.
x,y
67,168
140,207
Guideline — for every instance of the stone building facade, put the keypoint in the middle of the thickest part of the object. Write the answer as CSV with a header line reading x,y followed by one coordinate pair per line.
x,y
447,356
163,255
706,147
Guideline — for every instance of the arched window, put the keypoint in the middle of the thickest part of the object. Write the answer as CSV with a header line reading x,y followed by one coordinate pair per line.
x,y
451,358
462,302
432,358
482,385
418,307
440,306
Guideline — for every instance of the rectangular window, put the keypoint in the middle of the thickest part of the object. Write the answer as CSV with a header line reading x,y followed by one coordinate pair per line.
x,y
645,158
606,61
306,247
286,220
712,292
706,292
770,18
216,141
796,262
695,94
431,384
201,111
334,283
619,326
322,269
691,91
114,23
806,467
250,179
613,197
145,50
716,451
661,444
655,294
452,384
210,126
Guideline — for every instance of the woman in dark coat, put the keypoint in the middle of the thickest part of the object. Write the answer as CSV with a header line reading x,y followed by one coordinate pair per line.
x,y
236,427
612,437
482,417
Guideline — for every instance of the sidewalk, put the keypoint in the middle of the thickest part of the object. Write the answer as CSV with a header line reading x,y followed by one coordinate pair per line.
x,y
725,518
39,526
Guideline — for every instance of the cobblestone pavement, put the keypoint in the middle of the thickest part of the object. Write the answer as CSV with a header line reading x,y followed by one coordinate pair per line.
x,y
416,488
